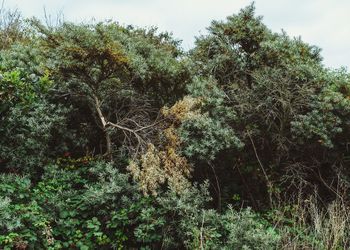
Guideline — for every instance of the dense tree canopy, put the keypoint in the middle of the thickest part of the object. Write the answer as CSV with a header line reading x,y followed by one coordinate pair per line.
x,y
113,137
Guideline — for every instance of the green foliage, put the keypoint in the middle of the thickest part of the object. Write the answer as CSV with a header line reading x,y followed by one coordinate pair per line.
x,y
248,231
206,133
206,137
33,131
236,48
231,230
23,220
68,207
263,122
17,90
120,76
286,107
228,52
328,112
88,205
30,122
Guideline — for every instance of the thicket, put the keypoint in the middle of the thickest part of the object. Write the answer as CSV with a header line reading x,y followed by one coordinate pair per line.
x,y
113,137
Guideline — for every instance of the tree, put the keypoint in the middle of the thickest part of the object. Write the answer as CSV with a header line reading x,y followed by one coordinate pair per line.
x,y
123,74
273,85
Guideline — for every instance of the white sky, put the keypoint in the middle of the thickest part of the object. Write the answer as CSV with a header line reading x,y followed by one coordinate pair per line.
x,y
324,23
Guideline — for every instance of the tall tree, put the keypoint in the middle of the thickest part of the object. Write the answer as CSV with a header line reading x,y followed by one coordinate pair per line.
x,y
122,73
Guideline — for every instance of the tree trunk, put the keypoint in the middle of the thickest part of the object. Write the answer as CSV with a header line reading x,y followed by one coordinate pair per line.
x,y
104,125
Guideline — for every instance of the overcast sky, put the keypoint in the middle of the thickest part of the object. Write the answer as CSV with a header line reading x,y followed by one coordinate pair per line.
x,y
324,23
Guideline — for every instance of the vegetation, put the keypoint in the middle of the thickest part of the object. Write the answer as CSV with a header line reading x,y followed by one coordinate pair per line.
x,y
113,137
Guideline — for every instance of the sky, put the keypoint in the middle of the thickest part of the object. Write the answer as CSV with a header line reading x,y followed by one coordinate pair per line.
x,y
324,23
